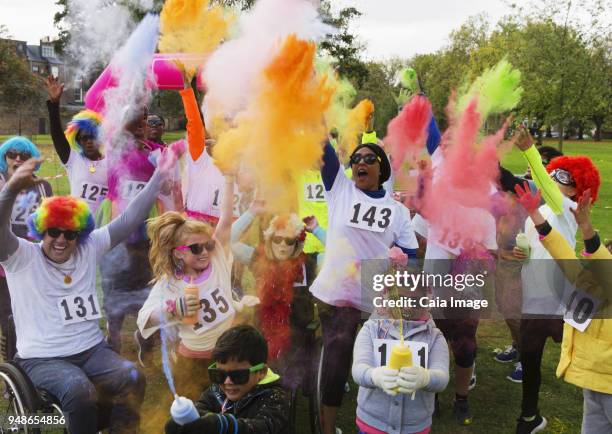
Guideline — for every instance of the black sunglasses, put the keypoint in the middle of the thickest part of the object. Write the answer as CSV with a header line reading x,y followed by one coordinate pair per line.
x,y
22,155
155,123
238,376
198,248
288,241
367,158
68,234
85,138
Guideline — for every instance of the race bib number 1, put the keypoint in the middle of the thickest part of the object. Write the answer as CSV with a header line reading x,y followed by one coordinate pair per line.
x,y
369,217
214,309
382,351
580,310
75,308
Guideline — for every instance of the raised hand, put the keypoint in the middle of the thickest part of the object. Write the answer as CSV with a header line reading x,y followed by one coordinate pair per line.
x,y
311,223
257,207
54,88
522,139
23,177
529,201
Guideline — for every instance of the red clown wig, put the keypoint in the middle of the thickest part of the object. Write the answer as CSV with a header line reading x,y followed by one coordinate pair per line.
x,y
583,171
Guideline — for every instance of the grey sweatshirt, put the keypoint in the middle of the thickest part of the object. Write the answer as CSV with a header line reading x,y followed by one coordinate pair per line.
x,y
399,414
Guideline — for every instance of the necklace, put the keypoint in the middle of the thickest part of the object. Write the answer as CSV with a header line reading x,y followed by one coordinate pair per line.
x,y
67,274
93,165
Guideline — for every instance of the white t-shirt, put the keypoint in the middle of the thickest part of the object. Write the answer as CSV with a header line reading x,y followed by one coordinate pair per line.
x,y
217,307
54,318
360,228
543,281
88,179
205,184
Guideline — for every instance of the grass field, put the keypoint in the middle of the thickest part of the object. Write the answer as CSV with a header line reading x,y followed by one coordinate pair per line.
x,y
495,402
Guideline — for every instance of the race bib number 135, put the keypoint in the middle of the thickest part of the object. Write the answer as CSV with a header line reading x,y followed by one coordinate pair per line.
x,y
214,308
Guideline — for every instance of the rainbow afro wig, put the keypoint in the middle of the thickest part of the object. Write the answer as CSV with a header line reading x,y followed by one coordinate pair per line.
x,y
19,144
85,121
64,212
582,169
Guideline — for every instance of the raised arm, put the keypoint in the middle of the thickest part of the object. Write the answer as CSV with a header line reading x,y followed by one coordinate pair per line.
x,y
331,165
195,126
23,178
224,227
55,90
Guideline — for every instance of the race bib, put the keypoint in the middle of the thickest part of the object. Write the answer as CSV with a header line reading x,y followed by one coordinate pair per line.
x,y
450,240
20,212
313,192
375,218
93,192
129,189
382,351
76,308
580,310
214,309
216,205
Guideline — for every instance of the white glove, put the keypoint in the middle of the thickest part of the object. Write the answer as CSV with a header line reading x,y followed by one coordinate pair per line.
x,y
246,301
412,378
386,379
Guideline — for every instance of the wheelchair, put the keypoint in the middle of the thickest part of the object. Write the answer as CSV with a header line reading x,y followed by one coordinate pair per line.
x,y
19,397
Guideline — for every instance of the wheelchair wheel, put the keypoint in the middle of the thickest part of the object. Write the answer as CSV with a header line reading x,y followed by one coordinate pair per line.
x,y
18,397
314,399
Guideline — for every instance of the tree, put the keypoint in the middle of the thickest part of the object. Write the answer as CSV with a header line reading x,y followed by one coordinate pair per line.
x,y
19,88
378,88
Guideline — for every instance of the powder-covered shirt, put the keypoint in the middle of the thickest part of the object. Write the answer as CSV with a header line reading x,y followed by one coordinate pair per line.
x,y
88,179
55,316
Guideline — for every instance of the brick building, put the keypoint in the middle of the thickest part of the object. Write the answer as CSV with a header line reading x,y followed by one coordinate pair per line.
x,y
42,60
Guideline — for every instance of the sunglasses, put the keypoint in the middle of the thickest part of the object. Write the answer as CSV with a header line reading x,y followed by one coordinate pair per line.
x,y
288,241
23,156
68,234
563,177
198,248
238,376
85,138
155,123
367,159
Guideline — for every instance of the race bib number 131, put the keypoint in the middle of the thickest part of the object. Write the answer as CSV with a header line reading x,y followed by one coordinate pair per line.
x,y
74,309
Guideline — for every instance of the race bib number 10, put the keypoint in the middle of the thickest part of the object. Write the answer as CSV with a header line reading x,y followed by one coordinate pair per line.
x,y
76,308
580,310
382,351
214,309
370,217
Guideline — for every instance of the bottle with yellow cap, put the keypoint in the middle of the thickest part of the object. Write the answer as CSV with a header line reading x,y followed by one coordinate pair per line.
x,y
191,289
401,356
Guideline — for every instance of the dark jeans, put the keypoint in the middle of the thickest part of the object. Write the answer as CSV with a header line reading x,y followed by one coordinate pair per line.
x,y
7,326
80,381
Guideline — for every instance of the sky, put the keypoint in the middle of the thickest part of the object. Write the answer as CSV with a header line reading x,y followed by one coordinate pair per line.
x,y
388,27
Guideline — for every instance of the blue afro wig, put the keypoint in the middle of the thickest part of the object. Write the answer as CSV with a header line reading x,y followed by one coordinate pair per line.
x,y
19,144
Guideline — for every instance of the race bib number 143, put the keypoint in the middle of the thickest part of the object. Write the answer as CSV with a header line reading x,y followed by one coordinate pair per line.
x,y
370,217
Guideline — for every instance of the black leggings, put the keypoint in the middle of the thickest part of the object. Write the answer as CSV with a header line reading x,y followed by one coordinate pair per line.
x,y
339,331
534,333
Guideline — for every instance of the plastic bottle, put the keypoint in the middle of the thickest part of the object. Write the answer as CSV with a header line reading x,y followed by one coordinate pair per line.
x,y
401,355
191,289
523,244
183,410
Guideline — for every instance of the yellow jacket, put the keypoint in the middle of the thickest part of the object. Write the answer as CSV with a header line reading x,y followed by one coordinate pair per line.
x,y
586,358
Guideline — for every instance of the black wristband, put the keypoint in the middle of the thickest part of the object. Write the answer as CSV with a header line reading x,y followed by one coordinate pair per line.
x,y
592,244
544,229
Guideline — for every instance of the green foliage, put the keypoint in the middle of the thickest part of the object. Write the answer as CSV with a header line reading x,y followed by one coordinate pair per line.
x,y
377,88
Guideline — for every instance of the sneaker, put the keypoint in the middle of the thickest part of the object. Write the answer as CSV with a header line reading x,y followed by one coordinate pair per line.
x,y
507,356
536,425
473,379
139,349
516,376
461,410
